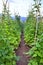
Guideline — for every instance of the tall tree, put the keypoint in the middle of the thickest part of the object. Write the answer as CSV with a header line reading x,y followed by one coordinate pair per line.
x,y
17,18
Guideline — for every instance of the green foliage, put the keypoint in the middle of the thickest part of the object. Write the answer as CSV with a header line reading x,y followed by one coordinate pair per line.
x,y
10,32
29,29
36,52
7,55
17,19
9,40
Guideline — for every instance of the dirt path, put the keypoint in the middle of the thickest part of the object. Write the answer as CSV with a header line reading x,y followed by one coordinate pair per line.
x,y
20,52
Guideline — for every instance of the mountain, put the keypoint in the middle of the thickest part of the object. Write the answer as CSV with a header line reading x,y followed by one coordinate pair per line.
x,y
21,18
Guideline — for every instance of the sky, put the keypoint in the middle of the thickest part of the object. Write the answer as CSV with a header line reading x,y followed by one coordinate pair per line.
x,y
20,6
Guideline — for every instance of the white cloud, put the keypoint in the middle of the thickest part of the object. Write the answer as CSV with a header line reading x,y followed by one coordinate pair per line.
x,y
19,6
1,6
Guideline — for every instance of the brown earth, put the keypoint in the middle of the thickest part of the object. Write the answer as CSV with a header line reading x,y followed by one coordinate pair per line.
x,y
24,59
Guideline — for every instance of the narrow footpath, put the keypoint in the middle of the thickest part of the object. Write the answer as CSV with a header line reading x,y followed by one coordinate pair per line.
x,y
24,59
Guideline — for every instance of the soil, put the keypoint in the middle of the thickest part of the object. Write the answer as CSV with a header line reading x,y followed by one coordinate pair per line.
x,y
24,59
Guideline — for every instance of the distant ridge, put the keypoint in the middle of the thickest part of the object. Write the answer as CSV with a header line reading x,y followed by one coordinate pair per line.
x,y
22,18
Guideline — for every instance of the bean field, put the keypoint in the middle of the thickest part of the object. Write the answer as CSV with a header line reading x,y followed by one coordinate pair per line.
x,y
21,43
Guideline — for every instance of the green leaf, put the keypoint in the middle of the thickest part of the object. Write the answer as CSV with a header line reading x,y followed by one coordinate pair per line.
x,y
29,63
41,61
34,55
38,45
